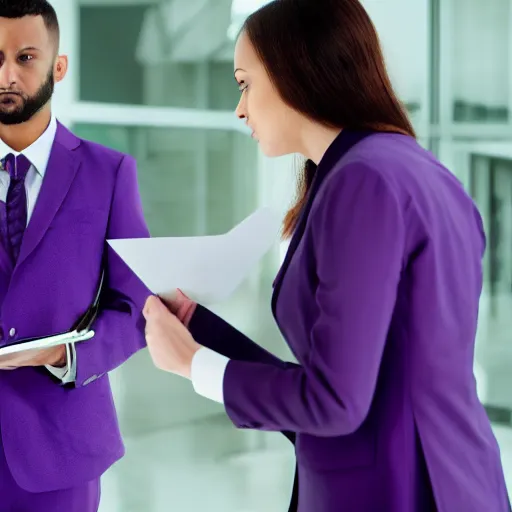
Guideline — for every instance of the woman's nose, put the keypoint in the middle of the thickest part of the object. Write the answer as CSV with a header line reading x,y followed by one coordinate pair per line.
x,y
240,109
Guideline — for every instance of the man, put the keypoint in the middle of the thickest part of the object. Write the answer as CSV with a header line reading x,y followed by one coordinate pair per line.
x,y
60,199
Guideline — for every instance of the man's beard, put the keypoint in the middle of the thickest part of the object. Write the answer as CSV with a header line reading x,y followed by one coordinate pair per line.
x,y
30,105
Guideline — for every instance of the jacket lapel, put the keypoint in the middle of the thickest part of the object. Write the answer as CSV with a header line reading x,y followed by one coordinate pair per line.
x,y
340,146
60,173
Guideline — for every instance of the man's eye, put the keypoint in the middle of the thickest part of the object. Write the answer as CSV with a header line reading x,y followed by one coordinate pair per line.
x,y
25,58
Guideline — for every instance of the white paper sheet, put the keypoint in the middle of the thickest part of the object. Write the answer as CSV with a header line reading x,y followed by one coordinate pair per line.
x,y
206,268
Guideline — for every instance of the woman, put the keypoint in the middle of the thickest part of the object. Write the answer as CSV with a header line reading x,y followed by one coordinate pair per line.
x,y
378,294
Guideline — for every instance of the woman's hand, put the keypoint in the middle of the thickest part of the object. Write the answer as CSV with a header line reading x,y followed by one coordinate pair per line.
x,y
170,344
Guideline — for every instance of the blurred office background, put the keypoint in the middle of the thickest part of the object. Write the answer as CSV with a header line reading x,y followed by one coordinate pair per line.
x,y
154,78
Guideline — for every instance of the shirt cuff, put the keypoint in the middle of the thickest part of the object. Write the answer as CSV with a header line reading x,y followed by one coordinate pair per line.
x,y
207,374
66,374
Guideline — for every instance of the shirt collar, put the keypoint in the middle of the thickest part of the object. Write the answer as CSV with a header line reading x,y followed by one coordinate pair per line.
x,y
39,151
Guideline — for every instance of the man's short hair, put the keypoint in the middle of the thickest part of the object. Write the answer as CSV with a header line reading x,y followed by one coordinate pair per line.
x,y
20,8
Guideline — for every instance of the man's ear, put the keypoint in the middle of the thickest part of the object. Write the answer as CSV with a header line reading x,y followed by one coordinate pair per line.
x,y
60,68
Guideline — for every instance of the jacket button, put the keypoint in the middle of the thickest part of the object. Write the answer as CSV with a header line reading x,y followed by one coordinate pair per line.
x,y
12,332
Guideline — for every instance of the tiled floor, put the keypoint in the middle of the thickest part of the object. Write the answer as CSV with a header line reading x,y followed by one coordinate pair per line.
x,y
504,436
198,467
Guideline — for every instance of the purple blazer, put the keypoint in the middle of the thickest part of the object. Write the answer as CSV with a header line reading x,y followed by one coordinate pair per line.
x,y
57,437
378,300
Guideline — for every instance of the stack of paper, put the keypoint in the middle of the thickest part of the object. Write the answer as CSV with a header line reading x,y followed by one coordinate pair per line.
x,y
207,269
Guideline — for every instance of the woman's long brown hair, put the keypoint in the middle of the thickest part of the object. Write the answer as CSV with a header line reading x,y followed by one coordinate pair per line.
x,y
325,60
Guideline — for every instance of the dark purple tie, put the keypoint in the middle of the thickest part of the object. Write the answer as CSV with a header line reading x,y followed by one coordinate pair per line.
x,y
16,204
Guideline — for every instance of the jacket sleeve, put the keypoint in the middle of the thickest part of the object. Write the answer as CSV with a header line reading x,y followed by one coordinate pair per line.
x,y
119,328
358,242
216,334
213,332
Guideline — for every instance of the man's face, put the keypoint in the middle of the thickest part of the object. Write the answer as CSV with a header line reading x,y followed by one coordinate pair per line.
x,y
29,68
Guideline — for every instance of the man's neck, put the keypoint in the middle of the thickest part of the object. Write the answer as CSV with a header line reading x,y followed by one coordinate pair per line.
x,y
21,136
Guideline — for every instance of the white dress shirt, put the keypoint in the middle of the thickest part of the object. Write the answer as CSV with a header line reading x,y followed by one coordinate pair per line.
x,y
207,373
38,153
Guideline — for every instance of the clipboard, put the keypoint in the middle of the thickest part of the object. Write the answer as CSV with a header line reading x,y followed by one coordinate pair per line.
x,y
82,331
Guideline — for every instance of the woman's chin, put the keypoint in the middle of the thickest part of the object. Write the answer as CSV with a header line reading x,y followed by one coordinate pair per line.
x,y
271,151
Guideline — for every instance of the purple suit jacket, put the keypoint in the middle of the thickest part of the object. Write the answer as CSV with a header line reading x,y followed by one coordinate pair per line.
x,y
56,437
378,300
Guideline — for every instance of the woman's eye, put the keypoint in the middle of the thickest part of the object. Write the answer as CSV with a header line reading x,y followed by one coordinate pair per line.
x,y
242,86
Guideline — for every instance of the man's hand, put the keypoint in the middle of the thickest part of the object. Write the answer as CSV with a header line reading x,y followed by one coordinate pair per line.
x,y
55,356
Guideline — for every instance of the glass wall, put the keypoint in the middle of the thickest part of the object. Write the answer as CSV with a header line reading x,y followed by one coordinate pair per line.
x,y
481,57
168,54
192,181
491,186
474,133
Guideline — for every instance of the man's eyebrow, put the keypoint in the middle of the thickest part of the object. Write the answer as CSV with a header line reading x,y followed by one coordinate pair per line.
x,y
27,48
